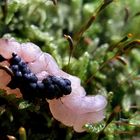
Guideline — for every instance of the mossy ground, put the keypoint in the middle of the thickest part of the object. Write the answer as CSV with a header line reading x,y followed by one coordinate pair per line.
x,y
106,49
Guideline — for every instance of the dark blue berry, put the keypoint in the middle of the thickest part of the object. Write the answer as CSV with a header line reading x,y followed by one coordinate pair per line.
x,y
26,76
26,70
16,59
33,85
30,77
33,77
55,79
67,90
67,81
40,85
61,83
22,64
51,87
14,68
18,74
47,81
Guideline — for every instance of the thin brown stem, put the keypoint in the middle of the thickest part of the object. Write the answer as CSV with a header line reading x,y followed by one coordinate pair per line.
x,y
92,18
71,46
7,69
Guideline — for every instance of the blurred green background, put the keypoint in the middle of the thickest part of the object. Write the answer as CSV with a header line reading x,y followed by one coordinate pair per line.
x,y
107,53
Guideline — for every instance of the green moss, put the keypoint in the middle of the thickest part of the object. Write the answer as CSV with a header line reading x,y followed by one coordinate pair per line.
x,y
93,60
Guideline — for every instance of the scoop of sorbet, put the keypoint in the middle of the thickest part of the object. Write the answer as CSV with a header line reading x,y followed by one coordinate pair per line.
x,y
75,109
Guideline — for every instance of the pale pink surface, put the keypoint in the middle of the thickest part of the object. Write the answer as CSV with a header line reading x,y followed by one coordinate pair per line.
x,y
87,118
52,67
39,64
75,109
7,47
30,52
41,75
61,113
71,117
86,103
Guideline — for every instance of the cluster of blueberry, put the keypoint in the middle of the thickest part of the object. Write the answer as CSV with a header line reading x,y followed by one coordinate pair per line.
x,y
51,87
56,87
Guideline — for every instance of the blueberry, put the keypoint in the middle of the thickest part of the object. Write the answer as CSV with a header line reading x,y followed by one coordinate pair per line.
x,y
14,68
26,70
22,64
51,87
16,59
40,85
33,85
55,79
26,76
18,74
67,81
47,81
50,95
67,90
33,77
30,77
14,54
61,83
58,92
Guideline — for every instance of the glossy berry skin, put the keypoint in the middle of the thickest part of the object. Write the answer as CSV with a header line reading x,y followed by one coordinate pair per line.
x,y
15,59
57,86
50,87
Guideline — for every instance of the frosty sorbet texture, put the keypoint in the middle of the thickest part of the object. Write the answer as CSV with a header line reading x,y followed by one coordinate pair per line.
x,y
74,109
